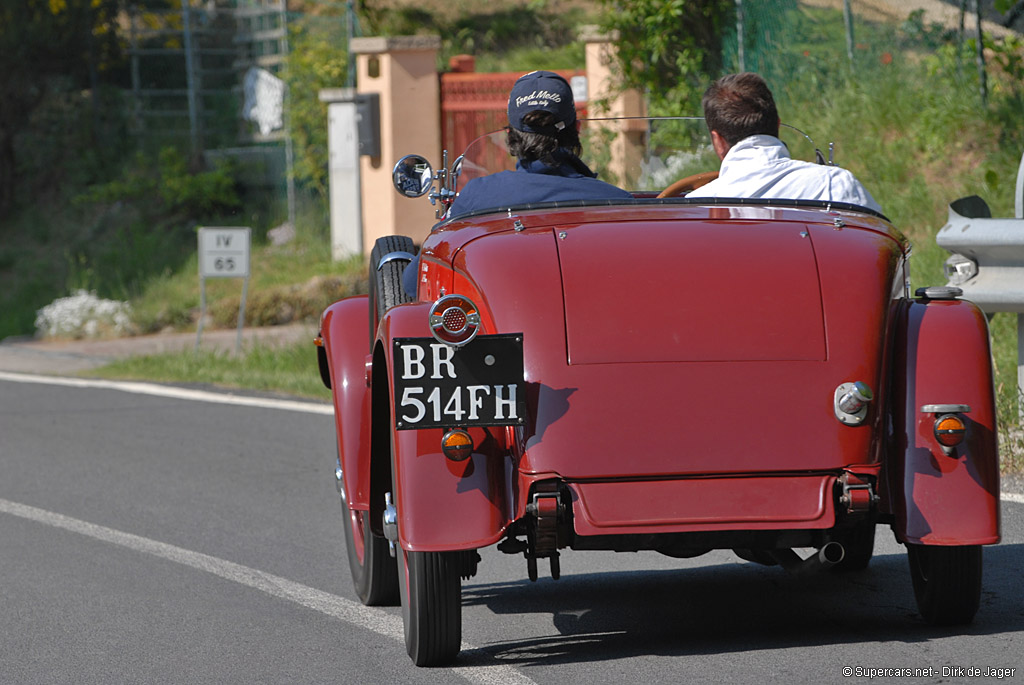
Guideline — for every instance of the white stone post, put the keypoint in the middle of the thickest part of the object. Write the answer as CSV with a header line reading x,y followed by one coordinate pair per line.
x,y
344,185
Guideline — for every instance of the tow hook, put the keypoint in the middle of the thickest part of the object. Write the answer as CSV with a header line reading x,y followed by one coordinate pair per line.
x,y
390,523
858,493
542,538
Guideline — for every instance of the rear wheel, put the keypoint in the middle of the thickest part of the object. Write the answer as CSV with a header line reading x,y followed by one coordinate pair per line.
x,y
374,570
430,584
947,582
386,279
431,592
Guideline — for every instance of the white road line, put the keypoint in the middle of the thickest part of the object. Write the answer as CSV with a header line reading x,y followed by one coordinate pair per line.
x,y
222,398
375,620
170,391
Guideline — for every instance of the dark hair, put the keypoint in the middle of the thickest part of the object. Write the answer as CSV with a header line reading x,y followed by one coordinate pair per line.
x,y
530,146
740,105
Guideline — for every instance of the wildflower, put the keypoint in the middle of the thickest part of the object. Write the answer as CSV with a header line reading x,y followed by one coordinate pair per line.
x,y
83,315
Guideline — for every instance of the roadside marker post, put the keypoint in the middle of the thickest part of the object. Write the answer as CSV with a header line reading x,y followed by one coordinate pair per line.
x,y
223,253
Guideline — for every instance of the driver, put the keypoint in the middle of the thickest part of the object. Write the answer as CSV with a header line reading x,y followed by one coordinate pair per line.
x,y
543,135
740,113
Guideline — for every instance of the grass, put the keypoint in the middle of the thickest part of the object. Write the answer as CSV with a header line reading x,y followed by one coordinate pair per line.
x,y
293,282
287,369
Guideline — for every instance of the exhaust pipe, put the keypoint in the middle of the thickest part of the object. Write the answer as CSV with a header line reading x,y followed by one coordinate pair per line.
x,y
829,555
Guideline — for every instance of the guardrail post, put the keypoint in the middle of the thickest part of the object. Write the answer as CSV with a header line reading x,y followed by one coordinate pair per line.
x,y
1020,369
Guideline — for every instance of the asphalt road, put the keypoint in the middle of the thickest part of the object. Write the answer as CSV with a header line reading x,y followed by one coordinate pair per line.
x,y
185,538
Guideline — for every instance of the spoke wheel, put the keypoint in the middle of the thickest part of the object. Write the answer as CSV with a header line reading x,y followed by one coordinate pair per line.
x,y
431,605
947,582
374,570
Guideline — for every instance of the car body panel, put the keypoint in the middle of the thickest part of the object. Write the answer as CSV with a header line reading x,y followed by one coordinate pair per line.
x,y
705,504
636,403
651,302
939,498
344,327
441,504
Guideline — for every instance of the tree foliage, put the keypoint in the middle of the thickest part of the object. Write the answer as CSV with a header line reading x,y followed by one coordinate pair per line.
x,y
40,40
317,59
667,48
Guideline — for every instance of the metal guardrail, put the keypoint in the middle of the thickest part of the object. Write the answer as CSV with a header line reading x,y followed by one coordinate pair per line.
x,y
987,260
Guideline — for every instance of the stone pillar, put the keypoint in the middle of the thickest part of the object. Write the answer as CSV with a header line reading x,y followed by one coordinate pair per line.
x,y
402,70
607,98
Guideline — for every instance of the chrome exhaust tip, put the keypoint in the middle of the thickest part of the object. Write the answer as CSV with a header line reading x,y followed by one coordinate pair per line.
x,y
829,555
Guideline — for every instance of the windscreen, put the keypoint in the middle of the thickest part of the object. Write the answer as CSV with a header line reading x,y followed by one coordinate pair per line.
x,y
640,154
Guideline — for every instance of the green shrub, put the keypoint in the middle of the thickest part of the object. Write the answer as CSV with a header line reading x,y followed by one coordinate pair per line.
x,y
199,193
275,306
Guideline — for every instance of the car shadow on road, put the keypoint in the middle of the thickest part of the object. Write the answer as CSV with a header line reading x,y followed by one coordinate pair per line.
x,y
728,608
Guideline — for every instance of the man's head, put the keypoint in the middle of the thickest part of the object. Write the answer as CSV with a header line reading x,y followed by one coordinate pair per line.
x,y
541,117
541,91
737,106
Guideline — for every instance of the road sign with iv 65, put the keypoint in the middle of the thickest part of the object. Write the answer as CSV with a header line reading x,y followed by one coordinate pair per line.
x,y
223,252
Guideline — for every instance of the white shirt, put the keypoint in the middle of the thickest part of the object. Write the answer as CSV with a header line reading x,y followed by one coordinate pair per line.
x,y
760,166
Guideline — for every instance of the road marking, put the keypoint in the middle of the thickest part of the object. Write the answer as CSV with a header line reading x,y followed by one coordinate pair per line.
x,y
368,618
171,391
222,398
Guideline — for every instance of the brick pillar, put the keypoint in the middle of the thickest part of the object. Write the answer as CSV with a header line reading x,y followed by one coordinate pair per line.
x,y
402,70
607,98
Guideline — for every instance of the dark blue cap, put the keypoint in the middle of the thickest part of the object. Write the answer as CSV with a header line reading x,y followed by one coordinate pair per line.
x,y
541,90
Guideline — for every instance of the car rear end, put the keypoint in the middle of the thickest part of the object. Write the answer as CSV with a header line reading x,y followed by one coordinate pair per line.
x,y
684,368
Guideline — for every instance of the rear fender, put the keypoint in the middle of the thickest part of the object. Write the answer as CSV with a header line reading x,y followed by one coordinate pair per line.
x,y
344,328
942,356
442,505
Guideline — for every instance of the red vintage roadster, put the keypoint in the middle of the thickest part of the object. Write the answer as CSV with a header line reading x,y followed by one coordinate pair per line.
x,y
661,373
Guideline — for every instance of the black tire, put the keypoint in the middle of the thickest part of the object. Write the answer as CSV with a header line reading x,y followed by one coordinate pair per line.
x,y
325,370
947,582
374,570
858,546
386,282
431,605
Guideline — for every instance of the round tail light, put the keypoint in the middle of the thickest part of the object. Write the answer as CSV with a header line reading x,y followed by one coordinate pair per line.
x,y
457,445
950,430
454,320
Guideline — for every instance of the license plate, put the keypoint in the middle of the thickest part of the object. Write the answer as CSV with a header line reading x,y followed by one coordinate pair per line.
x,y
479,384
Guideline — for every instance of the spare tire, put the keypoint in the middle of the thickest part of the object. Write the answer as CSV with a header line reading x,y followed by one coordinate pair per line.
x,y
390,255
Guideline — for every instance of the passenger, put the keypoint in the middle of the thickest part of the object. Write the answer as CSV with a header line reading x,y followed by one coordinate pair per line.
x,y
741,115
543,135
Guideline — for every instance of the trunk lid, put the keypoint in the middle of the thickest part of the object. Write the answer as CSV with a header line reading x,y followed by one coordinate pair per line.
x,y
691,292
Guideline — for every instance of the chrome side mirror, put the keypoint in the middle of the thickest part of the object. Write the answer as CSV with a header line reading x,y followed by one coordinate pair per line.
x,y
457,168
413,176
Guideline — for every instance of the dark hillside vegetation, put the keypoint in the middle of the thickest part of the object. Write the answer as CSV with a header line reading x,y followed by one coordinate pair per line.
x,y
92,205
